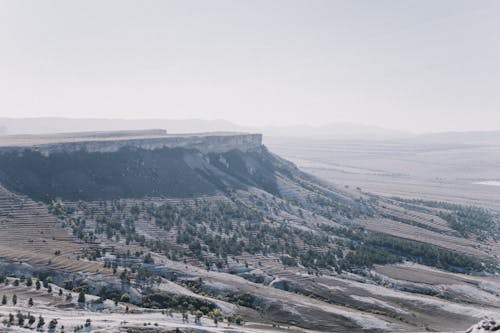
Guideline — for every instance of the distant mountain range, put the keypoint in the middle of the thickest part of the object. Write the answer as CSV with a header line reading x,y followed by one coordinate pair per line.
x,y
344,131
44,125
334,131
472,137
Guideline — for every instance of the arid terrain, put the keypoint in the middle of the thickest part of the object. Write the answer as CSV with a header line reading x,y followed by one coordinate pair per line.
x,y
227,236
225,166
420,167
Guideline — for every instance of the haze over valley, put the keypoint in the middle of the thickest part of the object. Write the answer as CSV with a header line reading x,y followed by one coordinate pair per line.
x,y
247,166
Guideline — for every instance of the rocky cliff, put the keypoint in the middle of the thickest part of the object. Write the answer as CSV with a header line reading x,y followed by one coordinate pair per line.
x,y
114,141
100,166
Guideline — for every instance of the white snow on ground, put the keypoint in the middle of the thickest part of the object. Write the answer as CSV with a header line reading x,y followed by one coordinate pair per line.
x,y
444,305
378,302
113,322
174,288
363,320
490,287
471,292
336,288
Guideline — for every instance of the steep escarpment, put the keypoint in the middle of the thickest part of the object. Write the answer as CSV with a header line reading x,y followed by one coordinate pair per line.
x,y
223,224
102,170
116,140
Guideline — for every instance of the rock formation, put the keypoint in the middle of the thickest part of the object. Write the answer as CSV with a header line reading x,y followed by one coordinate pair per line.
x,y
217,142
486,325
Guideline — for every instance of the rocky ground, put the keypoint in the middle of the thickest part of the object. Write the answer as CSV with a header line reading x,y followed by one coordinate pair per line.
x,y
487,325
246,233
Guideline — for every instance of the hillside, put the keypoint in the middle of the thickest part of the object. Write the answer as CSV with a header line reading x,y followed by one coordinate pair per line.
x,y
195,223
132,166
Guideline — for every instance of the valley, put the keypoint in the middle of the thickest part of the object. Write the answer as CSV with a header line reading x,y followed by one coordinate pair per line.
x,y
221,229
441,169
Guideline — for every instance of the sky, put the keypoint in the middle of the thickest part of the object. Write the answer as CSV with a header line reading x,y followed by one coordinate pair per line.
x,y
415,65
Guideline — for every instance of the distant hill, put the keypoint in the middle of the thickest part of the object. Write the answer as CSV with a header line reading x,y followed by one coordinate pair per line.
x,y
473,137
44,125
343,131
333,131
112,165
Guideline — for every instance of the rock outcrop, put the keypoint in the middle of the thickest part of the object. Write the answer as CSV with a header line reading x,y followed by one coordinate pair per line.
x,y
106,166
487,325
217,142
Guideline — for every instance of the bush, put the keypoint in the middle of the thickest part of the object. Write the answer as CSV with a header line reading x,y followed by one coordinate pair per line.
x,y
125,298
81,297
178,302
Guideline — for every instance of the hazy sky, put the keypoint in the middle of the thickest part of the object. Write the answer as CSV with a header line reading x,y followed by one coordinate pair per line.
x,y
415,65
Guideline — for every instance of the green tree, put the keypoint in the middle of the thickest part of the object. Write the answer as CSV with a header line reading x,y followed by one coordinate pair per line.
x,y
81,297
216,315
53,324
125,298
20,319
31,319
41,322
238,320
198,314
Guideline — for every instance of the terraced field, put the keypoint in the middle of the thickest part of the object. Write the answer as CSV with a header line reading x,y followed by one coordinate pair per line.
x,y
264,244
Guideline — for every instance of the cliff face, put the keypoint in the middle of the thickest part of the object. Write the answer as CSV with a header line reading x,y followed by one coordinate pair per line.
x,y
204,144
106,143
167,166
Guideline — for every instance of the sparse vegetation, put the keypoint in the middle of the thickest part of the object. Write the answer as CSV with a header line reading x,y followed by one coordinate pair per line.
x,y
263,221
467,220
81,297
180,303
